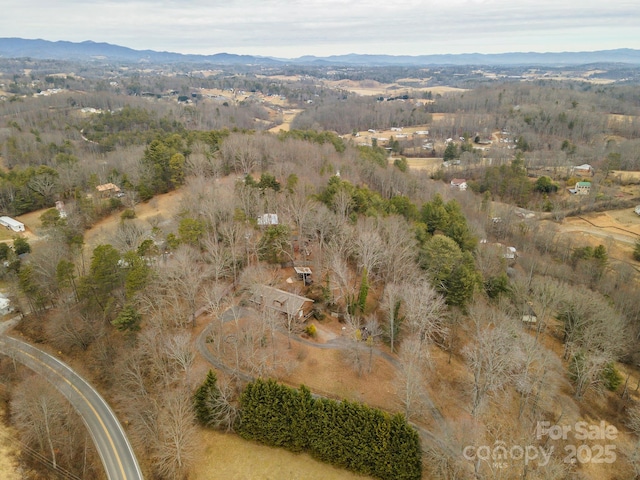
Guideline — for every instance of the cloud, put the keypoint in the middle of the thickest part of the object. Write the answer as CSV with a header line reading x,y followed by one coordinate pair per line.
x,y
324,27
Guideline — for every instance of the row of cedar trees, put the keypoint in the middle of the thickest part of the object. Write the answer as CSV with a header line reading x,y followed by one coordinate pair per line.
x,y
349,435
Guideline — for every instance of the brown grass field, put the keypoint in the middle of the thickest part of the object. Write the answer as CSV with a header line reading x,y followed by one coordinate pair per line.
x,y
229,457
8,453
371,87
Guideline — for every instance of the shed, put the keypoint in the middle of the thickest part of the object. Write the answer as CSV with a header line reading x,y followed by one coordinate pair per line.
x,y
304,274
12,224
281,301
529,315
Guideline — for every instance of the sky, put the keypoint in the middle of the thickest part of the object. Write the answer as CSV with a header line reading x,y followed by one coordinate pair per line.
x,y
293,28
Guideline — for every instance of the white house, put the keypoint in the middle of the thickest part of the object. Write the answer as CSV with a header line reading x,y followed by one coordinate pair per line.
x,y
14,225
459,183
5,305
637,210
268,219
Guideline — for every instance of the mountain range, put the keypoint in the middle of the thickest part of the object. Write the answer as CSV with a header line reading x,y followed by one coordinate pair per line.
x,y
106,52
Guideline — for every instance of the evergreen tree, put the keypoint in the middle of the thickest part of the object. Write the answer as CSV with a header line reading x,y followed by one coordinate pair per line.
x,y
350,435
21,245
206,397
127,319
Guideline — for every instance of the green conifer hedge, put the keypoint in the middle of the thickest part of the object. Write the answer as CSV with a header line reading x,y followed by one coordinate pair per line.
x,y
351,435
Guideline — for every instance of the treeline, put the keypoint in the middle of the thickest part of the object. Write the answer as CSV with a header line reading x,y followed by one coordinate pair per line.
x,y
128,126
350,435
549,115
444,241
361,113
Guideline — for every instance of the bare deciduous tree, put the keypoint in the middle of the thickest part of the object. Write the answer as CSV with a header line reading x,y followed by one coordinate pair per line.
x,y
368,247
492,356
399,260
180,351
175,446
355,351
411,387
129,235
391,304
425,312
48,424
185,275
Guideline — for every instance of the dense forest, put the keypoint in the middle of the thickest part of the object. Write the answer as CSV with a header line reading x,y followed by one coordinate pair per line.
x,y
416,274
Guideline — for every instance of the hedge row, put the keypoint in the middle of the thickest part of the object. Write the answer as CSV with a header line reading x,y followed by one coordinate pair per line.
x,y
350,435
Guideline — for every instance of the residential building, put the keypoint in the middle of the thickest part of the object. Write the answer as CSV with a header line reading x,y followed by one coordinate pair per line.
x,y
459,183
12,224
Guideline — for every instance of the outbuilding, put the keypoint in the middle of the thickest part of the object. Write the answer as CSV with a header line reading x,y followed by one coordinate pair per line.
x,y
529,315
12,224
304,274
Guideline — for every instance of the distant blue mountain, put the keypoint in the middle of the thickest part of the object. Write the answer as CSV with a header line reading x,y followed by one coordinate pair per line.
x,y
61,50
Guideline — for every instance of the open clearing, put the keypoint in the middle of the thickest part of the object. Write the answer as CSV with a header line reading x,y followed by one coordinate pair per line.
x,y
229,457
371,87
287,118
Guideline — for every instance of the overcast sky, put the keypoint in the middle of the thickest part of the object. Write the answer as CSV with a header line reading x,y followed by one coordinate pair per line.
x,y
292,28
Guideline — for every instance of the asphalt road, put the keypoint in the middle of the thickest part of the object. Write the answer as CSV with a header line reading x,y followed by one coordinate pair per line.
x,y
108,436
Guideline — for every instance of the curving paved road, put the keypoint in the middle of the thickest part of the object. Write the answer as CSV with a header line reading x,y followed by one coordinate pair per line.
x,y
108,436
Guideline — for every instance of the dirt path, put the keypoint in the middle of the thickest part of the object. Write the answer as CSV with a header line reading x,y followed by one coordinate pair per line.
x,y
287,117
